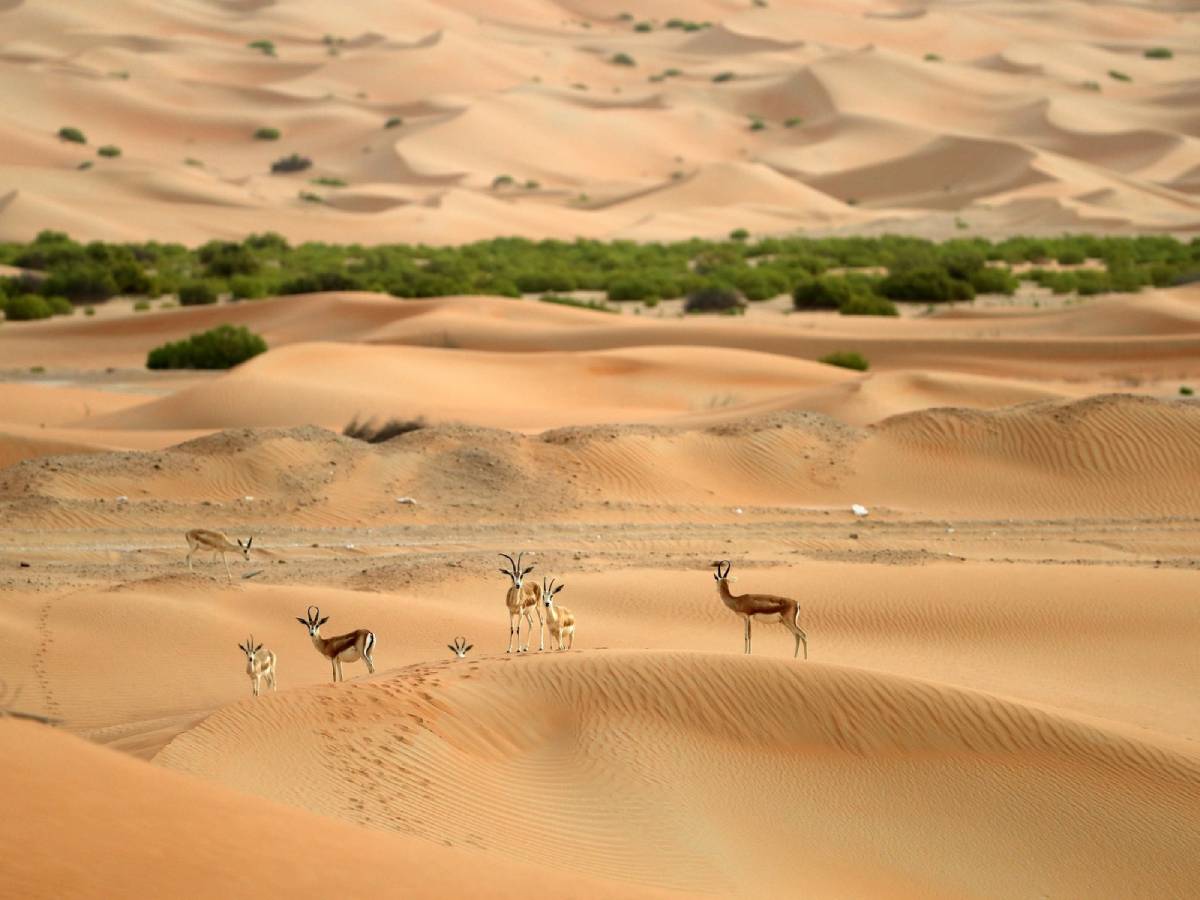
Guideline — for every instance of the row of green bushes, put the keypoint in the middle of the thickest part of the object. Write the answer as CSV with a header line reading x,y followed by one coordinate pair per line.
x,y
897,268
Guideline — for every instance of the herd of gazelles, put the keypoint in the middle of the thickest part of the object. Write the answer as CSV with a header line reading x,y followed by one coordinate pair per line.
x,y
522,598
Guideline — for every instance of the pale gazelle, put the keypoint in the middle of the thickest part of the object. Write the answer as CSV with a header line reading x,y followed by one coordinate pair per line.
x,y
559,618
766,606
349,647
519,599
201,539
260,665
460,647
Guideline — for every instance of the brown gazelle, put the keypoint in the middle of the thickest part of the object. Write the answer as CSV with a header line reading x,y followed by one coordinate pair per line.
x,y
519,599
559,618
260,665
460,647
765,606
349,647
201,539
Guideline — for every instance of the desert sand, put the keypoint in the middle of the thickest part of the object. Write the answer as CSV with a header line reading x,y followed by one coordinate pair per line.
x,y
875,115
1000,697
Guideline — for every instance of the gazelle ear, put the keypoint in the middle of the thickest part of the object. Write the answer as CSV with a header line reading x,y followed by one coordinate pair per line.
x,y
240,544
559,588
526,571
259,647
323,621
468,647
249,541
240,647
301,621
451,648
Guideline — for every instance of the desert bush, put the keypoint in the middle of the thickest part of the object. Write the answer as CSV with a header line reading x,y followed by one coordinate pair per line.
x,y
739,234
579,303
1071,256
757,124
714,299
247,287
328,181
994,280
932,57
645,286
1185,391
793,121
72,134
26,307
109,150
89,310
141,306
1118,76
721,77
60,306
84,280
826,292
1158,53
393,122
846,359
196,293
503,181
643,27
868,305
376,434
926,284
539,281
266,47
310,197
222,347
315,282
622,59
291,163
266,134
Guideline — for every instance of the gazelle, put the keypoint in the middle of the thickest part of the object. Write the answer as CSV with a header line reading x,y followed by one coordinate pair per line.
x,y
766,606
460,647
559,618
349,647
260,664
200,539
519,599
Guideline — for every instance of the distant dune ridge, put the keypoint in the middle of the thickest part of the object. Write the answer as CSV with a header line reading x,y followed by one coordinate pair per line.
x,y
873,117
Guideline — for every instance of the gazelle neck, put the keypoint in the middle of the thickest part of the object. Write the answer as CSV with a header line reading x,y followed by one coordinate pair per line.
x,y
723,589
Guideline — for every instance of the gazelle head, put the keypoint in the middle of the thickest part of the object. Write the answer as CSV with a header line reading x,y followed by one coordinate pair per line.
x,y
249,648
245,548
460,647
314,620
722,573
516,573
548,592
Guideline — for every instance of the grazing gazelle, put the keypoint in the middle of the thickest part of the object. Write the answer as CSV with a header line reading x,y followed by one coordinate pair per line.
x,y
559,618
200,539
260,664
460,647
349,647
766,606
519,599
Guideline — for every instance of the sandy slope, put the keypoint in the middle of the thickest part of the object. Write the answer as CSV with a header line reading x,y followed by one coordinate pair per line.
x,y
1014,125
179,837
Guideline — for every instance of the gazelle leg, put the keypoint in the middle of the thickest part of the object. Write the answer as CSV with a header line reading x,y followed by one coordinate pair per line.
x,y
228,574
370,664
333,662
747,634
571,641
801,637
528,632
514,627
541,629
189,558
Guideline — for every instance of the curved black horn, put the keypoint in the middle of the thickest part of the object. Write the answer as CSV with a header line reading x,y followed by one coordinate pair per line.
x,y
511,561
313,616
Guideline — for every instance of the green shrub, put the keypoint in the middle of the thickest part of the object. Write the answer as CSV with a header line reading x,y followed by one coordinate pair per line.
x,y
141,306
197,293
932,57
868,305
60,306
826,292
72,134
1185,391
84,280
109,150
622,59
757,124
739,234
714,299
310,197
793,121
994,280
218,348
267,47
643,27
502,181
267,134
1158,53
292,163
846,359
645,286
393,122
85,165
1071,256
926,284
89,310
245,287
723,76
1090,85
595,305
27,307
1118,76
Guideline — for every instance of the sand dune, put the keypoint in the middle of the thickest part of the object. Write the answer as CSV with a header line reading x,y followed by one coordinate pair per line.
x,y
530,91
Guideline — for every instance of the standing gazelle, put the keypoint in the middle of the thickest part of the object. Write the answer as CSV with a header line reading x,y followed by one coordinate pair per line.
x,y
559,618
349,647
201,539
260,664
519,599
766,606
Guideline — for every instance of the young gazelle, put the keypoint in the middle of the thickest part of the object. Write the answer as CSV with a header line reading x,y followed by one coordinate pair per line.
x,y
519,599
766,606
260,664
347,647
559,618
460,647
200,539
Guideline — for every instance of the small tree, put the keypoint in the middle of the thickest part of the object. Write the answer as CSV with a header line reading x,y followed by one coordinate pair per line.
x,y
72,134
293,163
222,347
715,299
197,293
846,359
266,134
110,150
27,307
